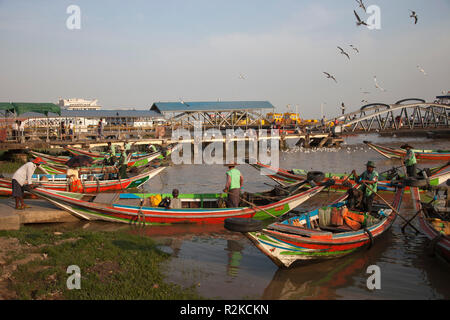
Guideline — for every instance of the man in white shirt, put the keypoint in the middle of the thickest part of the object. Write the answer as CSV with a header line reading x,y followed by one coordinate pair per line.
x,y
21,178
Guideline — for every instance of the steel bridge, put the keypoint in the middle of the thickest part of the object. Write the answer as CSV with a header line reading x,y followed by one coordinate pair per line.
x,y
402,115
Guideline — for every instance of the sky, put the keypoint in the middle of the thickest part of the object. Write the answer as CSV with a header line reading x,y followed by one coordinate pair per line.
x,y
133,53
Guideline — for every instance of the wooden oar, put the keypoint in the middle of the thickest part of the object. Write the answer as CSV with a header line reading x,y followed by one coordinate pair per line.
x,y
388,204
415,215
255,206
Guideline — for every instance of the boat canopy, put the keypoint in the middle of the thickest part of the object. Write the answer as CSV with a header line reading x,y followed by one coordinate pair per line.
x,y
23,107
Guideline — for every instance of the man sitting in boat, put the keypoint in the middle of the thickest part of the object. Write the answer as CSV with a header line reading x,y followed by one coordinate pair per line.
x,y
370,178
410,160
21,178
171,203
175,202
233,185
73,180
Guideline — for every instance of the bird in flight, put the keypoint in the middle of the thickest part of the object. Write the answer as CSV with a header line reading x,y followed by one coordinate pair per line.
x,y
364,101
421,70
354,48
361,5
376,84
359,22
414,15
242,77
329,76
343,52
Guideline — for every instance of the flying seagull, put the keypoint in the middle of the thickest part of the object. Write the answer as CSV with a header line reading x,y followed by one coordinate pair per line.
x,y
241,76
376,84
361,5
364,101
421,70
354,48
343,52
329,76
413,15
359,22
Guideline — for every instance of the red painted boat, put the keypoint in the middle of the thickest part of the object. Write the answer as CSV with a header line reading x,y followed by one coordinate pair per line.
x,y
196,208
90,186
437,176
428,221
437,155
309,237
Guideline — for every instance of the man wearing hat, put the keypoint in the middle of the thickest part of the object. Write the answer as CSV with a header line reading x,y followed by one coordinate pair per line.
x,y
21,178
233,185
369,177
410,160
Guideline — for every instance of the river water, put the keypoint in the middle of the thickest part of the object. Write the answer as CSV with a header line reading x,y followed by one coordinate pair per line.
x,y
226,265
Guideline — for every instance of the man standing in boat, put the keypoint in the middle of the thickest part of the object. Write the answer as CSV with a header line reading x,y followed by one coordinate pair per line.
x,y
233,186
370,178
112,153
21,178
123,163
410,160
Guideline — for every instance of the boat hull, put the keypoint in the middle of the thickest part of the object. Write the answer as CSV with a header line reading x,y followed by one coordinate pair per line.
x,y
401,153
285,248
285,177
150,215
440,243
91,186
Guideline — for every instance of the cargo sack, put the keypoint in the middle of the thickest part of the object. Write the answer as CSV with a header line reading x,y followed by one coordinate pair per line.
x,y
155,200
325,216
354,220
336,217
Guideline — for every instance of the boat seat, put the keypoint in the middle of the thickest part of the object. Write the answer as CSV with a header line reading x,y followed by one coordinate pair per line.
x,y
297,230
107,198
343,228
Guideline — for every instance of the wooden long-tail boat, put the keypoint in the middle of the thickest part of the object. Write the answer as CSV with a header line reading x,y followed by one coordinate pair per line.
x,y
434,223
421,154
56,165
196,208
100,155
95,186
53,168
437,175
307,238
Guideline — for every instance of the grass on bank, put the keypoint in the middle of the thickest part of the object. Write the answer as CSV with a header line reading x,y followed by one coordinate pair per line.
x,y
114,265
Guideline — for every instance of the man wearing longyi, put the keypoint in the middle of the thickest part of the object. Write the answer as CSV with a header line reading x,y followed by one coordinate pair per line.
x,y
233,185
21,178
369,179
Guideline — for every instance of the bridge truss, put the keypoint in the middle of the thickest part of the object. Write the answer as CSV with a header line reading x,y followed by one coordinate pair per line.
x,y
380,117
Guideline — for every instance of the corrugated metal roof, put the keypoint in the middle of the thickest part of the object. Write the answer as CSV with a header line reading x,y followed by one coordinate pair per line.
x,y
97,114
210,106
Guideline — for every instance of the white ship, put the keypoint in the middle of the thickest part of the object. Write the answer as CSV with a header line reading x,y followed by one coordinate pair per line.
x,y
79,104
